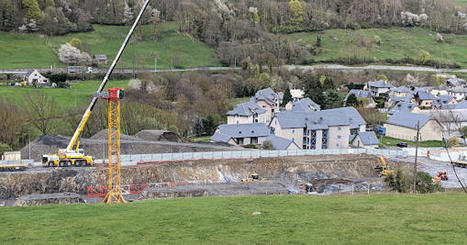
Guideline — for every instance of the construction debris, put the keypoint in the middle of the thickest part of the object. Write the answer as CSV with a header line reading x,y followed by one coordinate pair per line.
x,y
44,199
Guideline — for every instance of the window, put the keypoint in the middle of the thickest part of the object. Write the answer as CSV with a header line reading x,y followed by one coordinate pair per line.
x,y
324,140
337,144
275,122
339,136
254,140
313,139
339,128
293,131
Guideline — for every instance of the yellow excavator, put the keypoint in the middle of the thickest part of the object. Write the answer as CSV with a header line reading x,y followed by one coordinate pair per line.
x,y
253,178
73,155
382,167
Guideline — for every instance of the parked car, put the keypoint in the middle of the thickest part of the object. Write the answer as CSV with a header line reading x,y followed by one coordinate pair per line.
x,y
402,144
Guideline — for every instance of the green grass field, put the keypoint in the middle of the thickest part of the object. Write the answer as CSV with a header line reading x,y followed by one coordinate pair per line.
x,y
79,94
396,43
374,219
388,141
462,2
36,51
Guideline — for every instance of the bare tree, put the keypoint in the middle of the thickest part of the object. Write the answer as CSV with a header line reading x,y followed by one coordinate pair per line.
x,y
42,110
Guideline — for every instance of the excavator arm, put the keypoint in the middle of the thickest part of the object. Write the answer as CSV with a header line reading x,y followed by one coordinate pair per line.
x,y
88,111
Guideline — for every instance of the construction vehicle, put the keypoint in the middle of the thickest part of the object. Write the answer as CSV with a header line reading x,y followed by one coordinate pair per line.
x,y
12,166
442,175
252,178
308,187
382,167
72,155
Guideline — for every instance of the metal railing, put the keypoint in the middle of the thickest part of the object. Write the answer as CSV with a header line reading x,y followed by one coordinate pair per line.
x,y
185,156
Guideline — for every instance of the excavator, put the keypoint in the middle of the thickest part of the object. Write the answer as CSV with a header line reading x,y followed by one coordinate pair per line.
x,y
253,178
72,155
382,167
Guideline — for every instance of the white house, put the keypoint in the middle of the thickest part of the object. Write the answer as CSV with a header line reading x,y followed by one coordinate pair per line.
x,y
34,77
378,87
248,112
268,100
297,94
460,93
241,134
303,105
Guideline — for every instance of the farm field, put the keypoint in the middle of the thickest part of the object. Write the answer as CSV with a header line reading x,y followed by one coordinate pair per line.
x,y
396,43
170,48
374,219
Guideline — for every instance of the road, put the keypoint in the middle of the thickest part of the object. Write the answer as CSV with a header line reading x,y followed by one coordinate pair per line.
x,y
289,67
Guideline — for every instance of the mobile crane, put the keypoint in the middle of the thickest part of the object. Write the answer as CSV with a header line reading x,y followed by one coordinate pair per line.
x,y
72,155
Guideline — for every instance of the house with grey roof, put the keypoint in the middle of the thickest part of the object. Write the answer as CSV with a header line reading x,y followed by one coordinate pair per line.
x,y
303,105
456,82
279,143
248,112
366,140
460,93
241,134
403,125
403,107
401,91
442,102
268,100
379,87
297,94
99,59
424,99
326,129
393,100
362,95
33,77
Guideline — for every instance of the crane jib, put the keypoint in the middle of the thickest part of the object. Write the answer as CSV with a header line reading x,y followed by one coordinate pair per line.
x,y
87,114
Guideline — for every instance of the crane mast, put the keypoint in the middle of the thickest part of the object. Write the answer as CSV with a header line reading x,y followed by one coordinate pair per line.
x,y
88,111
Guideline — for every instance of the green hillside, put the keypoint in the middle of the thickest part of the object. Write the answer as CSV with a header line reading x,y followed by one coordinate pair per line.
x,y
396,43
79,94
33,50
375,219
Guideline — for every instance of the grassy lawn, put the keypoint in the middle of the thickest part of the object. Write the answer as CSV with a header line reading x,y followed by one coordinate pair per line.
x,y
201,139
79,94
462,2
396,43
375,219
32,50
388,141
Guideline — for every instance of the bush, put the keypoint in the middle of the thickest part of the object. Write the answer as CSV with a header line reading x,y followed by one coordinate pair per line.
x,y
403,182
267,145
251,146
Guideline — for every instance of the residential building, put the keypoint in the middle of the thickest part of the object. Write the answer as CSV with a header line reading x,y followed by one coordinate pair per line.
x,y
424,99
366,140
327,129
362,95
303,105
403,125
401,91
297,94
460,93
33,77
248,112
393,100
403,107
280,143
268,100
99,59
441,90
456,82
379,87
443,101
241,134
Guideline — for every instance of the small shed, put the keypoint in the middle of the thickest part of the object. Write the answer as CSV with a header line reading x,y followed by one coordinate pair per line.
x,y
99,59
366,140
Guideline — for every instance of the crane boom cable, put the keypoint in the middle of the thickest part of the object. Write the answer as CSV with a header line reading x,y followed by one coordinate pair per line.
x,y
88,111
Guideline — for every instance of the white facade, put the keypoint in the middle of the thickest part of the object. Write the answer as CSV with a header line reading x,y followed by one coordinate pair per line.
x,y
236,119
35,77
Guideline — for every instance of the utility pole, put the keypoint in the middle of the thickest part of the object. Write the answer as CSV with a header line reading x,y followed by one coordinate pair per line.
x,y
416,158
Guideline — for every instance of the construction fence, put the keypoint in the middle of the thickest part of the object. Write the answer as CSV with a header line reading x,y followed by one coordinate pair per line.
x,y
128,160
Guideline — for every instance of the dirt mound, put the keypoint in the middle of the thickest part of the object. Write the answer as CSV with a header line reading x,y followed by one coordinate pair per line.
x,y
44,199
160,135
104,135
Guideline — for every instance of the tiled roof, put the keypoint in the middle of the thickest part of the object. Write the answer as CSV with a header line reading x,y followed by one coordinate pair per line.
x,y
368,138
243,130
401,89
345,116
358,93
267,94
458,106
279,143
424,95
402,107
246,109
380,84
409,120
304,105
442,101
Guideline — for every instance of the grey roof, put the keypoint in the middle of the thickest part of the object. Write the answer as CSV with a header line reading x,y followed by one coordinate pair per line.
x,y
454,82
304,105
402,107
279,143
458,106
406,99
267,94
458,90
241,131
401,89
29,72
380,84
368,138
345,116
358,93
219,137
409,120
246,109
442,101
424,95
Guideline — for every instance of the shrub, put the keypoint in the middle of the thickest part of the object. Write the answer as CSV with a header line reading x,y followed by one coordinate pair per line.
x,y
403,182
267,145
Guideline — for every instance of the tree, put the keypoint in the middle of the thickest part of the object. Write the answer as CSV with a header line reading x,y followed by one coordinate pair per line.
x,y
267,145
297,7
287,97
42,110
33,12
424,56
352,100
4,147
71,55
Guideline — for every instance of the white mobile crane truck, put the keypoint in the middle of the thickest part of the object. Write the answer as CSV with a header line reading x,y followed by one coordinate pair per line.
x,y
73,155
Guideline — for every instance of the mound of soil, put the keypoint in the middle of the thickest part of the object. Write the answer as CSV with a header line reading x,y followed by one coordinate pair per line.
x,y
104,135
160,135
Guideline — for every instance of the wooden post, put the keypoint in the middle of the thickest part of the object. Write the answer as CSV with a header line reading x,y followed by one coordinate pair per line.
x,y
416,158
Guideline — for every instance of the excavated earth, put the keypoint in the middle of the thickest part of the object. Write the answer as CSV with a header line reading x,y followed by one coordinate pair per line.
x,y
328,174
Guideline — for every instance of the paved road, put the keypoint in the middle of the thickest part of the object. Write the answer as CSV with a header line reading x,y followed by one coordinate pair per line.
x,y
289,67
